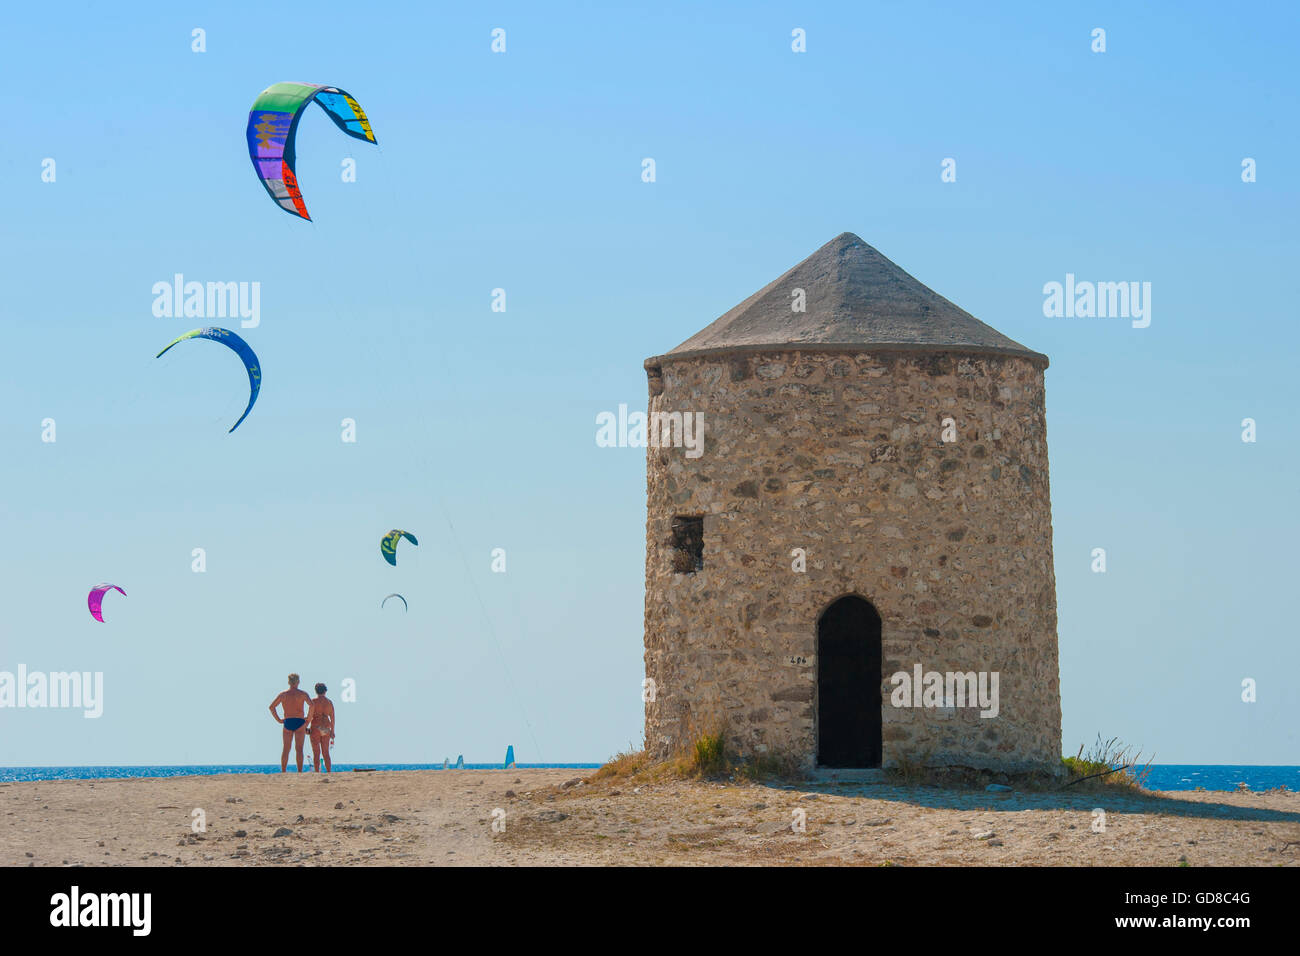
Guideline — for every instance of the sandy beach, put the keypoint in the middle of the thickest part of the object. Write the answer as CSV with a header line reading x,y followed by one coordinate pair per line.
x,y
554,817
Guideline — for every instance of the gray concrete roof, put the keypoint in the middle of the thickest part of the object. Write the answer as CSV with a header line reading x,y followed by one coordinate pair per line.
x,y
854,297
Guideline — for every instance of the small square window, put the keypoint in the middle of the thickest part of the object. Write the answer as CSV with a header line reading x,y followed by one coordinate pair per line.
x,y
688,544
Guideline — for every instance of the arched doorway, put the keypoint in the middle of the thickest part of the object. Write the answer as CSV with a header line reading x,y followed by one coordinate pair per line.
x,y
848,685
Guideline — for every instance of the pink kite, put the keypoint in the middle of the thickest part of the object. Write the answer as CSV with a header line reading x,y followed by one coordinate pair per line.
x,y
95,599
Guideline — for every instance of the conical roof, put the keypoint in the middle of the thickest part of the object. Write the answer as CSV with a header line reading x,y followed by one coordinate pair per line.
x,y
854,298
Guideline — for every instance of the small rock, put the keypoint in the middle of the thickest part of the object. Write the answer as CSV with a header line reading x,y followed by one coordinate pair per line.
x,y
370,828
997,788
338,806
552,816
511,794
517,780
995,842
389,818
241,833
571,783
283,831
983,835
300,819
759,806
231,800
883,821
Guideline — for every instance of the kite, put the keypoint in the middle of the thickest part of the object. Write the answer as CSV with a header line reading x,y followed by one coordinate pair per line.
x,y
95,599
273,127
388,545
394,595
240,348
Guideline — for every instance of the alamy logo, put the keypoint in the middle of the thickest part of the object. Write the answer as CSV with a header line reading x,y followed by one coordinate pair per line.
x,y
212,300
103,909
56,689
667,430
1101,300
951,689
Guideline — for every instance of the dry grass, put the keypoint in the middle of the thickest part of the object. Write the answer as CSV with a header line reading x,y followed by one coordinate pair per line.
x,y
628,763
707,758
1109,764
1107,767
708,755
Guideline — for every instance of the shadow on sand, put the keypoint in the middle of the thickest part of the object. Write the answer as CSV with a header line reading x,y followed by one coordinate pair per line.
x,y
1116,801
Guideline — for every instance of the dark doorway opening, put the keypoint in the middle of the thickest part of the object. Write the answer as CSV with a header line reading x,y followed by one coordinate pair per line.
x,y
848,685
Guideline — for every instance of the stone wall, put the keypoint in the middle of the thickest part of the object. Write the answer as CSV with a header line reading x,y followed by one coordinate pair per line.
x,y
840,454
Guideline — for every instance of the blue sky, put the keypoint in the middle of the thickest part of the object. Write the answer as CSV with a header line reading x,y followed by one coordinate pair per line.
x,y
476,428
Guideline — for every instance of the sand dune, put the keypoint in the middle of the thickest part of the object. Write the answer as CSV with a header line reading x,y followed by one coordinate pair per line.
x,y
446,817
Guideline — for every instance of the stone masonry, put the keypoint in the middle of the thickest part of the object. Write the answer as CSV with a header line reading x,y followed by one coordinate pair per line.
x,y
837,448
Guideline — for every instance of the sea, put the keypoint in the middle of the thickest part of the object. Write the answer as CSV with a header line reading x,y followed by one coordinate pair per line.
x,y
8,774
1161,776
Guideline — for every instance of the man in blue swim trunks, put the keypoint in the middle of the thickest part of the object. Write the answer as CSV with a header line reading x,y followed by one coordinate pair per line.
x,y
295,703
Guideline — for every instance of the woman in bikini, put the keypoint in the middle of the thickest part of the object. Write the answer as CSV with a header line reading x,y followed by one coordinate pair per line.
x,y
320,719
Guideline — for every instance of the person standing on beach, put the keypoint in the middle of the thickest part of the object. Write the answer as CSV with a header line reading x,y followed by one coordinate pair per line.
x,y
320,718
294,702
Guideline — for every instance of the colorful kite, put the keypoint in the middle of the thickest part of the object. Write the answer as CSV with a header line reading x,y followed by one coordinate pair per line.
x,y
95,599
240,348
394,595
388,545
273,126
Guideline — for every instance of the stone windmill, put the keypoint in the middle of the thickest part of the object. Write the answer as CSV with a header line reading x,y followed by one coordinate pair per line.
x,y
871,500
